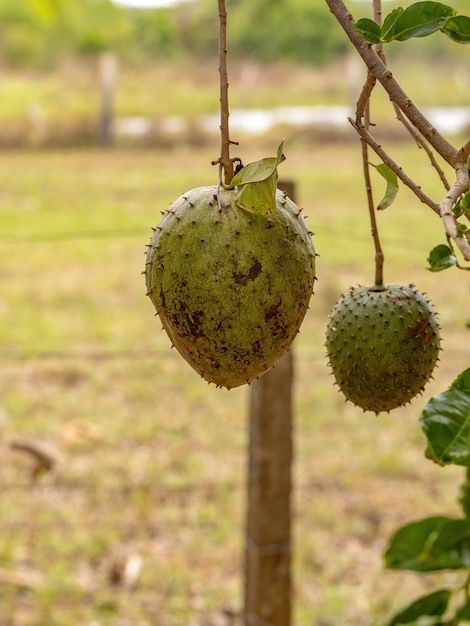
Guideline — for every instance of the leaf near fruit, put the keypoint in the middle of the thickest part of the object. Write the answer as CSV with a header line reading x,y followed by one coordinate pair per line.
x,y
392,185
457,28
441,258
256,184
387,32
432,605
445,421
418,20
369,29
421,19
430,544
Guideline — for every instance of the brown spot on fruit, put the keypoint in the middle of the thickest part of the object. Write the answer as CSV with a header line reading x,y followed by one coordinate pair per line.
x,y
271,312
253,272
420,328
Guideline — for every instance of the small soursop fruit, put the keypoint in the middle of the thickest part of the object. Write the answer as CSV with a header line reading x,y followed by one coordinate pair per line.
x,y
231,287
383,344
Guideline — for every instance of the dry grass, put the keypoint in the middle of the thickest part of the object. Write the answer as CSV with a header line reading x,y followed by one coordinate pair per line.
x,y
150,464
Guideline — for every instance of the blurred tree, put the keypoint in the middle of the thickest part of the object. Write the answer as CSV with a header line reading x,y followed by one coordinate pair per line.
x,y
22,32
291,30
156,35
91,26
41,32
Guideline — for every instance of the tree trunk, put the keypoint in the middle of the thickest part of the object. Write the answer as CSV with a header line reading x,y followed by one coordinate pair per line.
x,y
108,72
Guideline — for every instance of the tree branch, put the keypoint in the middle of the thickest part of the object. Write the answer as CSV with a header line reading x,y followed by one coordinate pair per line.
x,y
422,143
464,152
405,179
363,112
419,126
364,97
379,70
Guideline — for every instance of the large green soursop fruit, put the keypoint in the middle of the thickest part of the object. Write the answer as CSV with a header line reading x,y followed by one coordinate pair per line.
x,y
231,287
383,344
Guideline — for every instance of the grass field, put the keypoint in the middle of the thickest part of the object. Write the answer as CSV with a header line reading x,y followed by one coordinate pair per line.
x,y
150,464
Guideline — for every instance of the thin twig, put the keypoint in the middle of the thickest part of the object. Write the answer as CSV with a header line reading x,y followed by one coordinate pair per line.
x,y
227,163
379,255
421,142
418,137
363,112
422,130
377,8
406,180
364,97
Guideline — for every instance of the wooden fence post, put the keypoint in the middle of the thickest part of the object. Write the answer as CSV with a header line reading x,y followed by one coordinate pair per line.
x,y
268,593
107,63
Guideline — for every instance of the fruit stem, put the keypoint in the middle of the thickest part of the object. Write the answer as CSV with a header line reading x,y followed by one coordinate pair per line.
x,y
363,110
379,255
225,160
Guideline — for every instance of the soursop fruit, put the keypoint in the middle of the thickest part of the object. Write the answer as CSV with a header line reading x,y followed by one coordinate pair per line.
x,y
231,287
382,344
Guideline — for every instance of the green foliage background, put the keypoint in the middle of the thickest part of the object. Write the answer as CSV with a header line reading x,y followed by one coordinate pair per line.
x,y
41,33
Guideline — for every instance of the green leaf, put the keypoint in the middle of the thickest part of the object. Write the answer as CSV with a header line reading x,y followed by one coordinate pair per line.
x,y
445,421
369,29
433,604
441,258
461,230
257,183
421,19
457,209
457,28
260,170
465,202
258,198
387,31
392,185
462,381
463,612
431,544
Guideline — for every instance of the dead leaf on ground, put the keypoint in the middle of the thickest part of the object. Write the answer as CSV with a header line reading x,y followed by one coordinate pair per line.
x,y
125,571
45,454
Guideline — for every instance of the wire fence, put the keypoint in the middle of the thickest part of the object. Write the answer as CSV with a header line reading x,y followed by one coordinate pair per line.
x,y
340,234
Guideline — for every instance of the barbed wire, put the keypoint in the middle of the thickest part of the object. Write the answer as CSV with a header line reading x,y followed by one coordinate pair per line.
x,y
140,231
73,235
123,355
146,355
92,355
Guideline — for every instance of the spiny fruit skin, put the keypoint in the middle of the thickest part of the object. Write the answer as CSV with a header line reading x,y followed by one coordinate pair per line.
x,y
231,287
383,344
